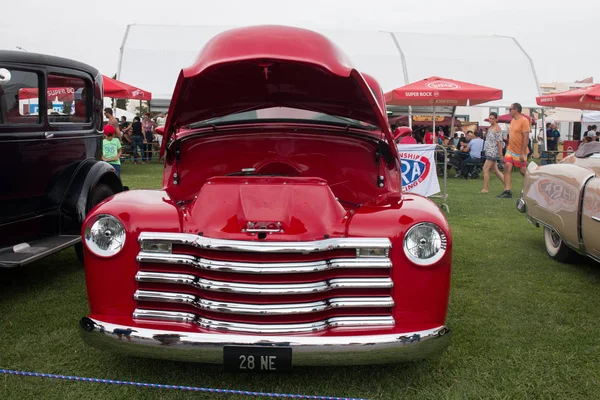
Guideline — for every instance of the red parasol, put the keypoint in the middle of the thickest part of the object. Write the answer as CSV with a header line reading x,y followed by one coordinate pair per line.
x,y
587,98
436,91
506,118
121,90
442,92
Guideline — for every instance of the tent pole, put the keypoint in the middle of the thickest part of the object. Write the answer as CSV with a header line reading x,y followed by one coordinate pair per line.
x,y
451,133
434,140
410,117
544,143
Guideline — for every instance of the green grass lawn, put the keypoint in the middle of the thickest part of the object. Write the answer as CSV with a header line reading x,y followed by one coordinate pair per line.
x,y
524,326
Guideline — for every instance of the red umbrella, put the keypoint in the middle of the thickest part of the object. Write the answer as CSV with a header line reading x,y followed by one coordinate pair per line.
x,y
506,118
121,90
440,91
587,98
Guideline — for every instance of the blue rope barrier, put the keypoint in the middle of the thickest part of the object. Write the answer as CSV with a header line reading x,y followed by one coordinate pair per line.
x,y
175,387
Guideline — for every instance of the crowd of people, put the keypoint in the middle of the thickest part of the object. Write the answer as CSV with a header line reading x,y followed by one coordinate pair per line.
x,y
136,139
492,151
591,134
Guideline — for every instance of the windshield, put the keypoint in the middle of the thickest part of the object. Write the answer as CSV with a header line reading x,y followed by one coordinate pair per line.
x,y
284,114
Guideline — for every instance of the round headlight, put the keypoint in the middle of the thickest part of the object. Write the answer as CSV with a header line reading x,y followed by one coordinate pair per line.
x,y
425,243
104,235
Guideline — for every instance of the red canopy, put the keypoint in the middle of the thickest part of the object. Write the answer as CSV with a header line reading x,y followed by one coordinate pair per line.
x,y
587,98
121,90
506,118
63,93
442,92
112,88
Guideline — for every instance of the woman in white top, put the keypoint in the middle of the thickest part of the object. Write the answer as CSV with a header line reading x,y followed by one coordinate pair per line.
x,y
493,151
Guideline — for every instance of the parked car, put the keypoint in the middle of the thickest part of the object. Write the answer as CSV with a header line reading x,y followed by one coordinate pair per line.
x,y
280,236
50,140
564,199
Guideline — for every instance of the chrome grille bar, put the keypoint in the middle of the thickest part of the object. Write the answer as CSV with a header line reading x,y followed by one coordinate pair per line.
x,y
335,322
263,309
263,246
272,289
263,268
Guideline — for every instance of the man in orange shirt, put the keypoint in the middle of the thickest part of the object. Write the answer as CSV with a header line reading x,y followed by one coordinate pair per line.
x,y
517,150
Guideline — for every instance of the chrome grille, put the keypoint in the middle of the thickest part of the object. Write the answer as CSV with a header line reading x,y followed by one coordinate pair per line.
x,y
262,268
261,309
272,289
339,322
226,295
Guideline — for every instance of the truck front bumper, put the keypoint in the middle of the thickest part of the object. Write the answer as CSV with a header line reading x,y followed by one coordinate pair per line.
x,y
306,350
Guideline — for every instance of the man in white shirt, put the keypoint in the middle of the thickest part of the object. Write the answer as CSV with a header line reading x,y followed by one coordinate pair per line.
x,y
591,132
161,120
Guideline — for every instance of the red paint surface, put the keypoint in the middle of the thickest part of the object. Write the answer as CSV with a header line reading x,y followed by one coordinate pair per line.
x,y
272,66
347,164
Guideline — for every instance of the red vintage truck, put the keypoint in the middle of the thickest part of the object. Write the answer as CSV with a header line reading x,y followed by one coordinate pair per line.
x,y
280,236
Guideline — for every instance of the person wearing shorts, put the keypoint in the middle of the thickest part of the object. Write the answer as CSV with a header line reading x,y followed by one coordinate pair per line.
x,y
493,151
516,151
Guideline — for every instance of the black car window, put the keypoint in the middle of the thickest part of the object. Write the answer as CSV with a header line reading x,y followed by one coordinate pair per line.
x,y
67,100
19,96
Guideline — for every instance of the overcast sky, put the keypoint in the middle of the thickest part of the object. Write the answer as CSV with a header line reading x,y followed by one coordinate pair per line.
x,y
560,35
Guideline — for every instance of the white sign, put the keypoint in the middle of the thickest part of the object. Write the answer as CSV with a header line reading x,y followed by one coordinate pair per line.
x,y
418,168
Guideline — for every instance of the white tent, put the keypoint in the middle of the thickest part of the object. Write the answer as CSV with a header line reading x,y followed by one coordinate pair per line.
x,y
152,56
563,115
590,118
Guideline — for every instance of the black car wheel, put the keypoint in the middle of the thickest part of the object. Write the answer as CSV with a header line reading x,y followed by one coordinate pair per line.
x,y
99,193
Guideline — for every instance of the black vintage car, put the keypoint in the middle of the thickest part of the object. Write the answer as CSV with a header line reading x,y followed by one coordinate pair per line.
x,y
50,147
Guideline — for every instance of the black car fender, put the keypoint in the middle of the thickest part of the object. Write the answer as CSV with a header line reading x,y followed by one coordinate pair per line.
x,y
90,174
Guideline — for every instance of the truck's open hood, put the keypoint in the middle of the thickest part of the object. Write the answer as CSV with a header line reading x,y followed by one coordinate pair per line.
x,y
272,66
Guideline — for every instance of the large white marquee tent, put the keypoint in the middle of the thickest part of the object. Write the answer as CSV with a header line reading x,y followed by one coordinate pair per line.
x,y
152,56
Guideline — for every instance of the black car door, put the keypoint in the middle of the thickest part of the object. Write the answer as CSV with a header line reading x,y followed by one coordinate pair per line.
x,y
22,150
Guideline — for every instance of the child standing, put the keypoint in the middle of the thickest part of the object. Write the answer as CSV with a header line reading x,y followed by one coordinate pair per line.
x,y
111,149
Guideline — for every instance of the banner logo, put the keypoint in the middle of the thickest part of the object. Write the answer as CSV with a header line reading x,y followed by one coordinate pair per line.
x,y
415,169
557,195
442,85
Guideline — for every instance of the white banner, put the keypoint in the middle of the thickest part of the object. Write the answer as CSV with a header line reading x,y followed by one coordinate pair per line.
x,y
418,169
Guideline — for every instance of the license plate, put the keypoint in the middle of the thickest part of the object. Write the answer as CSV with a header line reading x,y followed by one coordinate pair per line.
x,y
257,358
